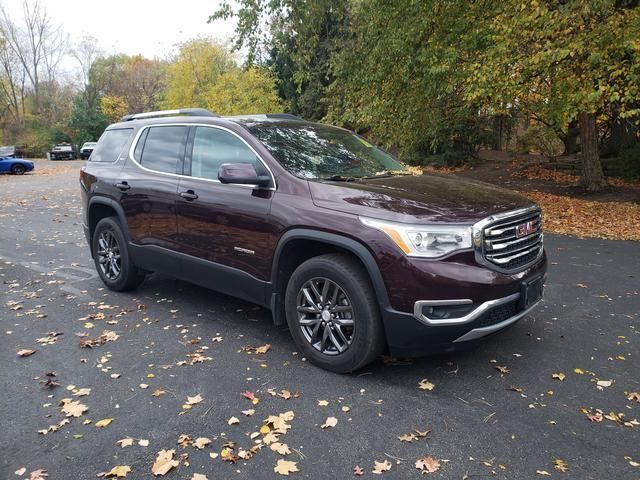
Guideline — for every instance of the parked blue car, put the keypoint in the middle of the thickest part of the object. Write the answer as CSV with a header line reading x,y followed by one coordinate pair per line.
x,y
17,166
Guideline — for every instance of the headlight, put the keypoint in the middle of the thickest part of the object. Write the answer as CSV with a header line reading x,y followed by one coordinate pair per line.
x,y
429,241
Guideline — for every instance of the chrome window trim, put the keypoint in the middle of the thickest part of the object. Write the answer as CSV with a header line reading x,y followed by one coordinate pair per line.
x,y
469,317
477,238
139,165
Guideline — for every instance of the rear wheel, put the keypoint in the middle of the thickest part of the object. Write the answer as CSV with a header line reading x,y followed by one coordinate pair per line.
x,y
18,169
111,257
333,314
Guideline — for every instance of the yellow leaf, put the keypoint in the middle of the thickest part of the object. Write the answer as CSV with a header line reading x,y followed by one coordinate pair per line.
x,y
118,471
104,422
559,376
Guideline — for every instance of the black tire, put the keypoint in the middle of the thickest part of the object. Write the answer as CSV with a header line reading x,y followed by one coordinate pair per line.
x,y
367,339
128,275
18,169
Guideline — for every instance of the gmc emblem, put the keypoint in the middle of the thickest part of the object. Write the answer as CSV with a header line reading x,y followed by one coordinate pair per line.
x,y
525,229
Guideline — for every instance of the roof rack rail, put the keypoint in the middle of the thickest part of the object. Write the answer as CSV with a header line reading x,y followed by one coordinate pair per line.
x,y
185,112
264,116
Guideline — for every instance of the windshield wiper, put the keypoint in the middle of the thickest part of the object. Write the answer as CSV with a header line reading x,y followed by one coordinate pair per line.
x,y
340,178
387,173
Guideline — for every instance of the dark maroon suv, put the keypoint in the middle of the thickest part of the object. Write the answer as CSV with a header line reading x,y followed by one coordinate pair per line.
x,y
335,236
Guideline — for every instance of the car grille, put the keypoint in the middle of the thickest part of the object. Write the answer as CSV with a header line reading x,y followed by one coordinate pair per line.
x,y
498,314
505,249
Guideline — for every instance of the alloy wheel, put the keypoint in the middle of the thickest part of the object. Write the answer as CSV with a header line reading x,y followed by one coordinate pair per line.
x,y
109,255
325,316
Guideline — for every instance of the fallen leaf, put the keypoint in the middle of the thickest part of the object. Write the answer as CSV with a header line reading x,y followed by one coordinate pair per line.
x,y
560,465
104,422
157,392
634,396
25,352
407,437
143,442
380,467
72,408
125,442
249,412
285,467
427,464
601,384
194,400
281,448
544,473
559,376
38,474
185,440
503,370
323,403
20,471
330,422
233,421
164,462
117,471
358,471
250,396
82,392
199,476
425,384
201,442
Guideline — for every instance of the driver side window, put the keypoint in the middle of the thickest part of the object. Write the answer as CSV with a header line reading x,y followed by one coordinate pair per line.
x,y
212,147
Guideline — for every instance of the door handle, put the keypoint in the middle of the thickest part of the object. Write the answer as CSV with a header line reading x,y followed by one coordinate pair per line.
x,y
189,195
123,186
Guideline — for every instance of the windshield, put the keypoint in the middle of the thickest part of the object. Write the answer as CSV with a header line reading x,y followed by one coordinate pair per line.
x,y
324,152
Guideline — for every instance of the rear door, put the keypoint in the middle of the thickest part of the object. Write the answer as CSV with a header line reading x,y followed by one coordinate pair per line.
x,y
149,185
224,223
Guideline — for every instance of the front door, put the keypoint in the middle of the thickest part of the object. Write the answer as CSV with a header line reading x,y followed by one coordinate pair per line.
x,y
223,223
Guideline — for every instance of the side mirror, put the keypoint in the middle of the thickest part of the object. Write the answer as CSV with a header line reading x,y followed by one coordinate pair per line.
x,y
242,174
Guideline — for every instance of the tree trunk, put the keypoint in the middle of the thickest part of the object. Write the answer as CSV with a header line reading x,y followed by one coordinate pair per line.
x,y
592,178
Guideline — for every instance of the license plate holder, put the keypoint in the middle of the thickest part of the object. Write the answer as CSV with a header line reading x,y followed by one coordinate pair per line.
x,y
531,292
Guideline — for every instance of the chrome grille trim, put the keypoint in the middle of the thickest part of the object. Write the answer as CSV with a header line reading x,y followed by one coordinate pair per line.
x,y
496,243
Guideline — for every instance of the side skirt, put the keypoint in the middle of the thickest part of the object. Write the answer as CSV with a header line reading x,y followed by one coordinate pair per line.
x,y
222,278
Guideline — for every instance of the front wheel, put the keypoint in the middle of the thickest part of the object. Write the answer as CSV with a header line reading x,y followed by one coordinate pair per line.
x,y
111,257
333,314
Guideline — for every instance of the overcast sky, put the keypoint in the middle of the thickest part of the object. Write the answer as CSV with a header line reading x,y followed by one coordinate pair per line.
x,y
148,27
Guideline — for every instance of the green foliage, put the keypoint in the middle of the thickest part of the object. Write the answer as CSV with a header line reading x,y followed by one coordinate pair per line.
x,y
86,123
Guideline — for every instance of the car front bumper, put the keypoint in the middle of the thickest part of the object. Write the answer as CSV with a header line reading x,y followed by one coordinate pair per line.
x,y
488,311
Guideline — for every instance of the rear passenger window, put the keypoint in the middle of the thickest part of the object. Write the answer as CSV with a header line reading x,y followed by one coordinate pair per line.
x,y
110,145
212,147
163,148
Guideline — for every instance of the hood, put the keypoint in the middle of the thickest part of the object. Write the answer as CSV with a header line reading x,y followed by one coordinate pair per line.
x,y
430,198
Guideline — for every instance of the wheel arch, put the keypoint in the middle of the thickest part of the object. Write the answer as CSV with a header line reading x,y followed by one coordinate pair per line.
x,y
298,245
99,208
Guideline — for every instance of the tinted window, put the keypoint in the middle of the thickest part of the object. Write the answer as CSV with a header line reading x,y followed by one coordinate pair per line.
x,y
163,148
110,145
212,147
322,151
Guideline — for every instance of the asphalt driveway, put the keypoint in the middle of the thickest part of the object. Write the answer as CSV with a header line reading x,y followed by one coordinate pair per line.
x,y
147,351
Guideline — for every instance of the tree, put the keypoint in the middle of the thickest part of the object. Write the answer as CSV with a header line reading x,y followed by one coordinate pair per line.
x,y
39,45
196,68
86,123
564,61
243,92
113,107
296,41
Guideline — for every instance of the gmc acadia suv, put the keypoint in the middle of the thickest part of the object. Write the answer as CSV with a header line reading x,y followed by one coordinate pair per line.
x,y
333,235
